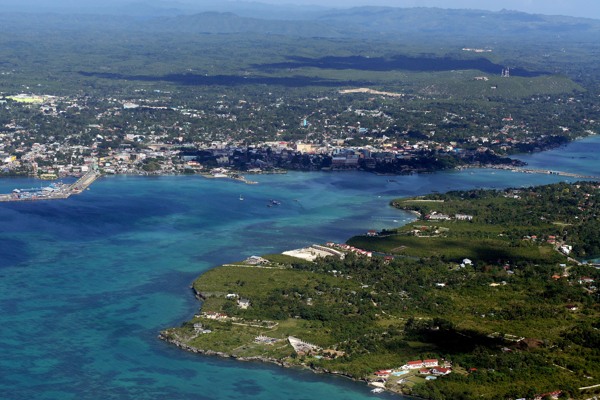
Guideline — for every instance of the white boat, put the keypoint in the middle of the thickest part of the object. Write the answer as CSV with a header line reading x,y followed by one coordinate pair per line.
x,y
241,198
377,390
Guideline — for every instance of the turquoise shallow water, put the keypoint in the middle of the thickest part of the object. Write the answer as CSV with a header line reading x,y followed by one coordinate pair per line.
x,y
86,283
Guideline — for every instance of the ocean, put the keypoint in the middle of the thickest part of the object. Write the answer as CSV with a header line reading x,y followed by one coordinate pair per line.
x,y
87,283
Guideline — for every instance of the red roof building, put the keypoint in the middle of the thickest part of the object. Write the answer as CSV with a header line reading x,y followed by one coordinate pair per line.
x,y
413,365
441,371
430,363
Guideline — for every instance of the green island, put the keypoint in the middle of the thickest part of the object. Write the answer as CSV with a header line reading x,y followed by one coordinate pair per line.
x,y
484,296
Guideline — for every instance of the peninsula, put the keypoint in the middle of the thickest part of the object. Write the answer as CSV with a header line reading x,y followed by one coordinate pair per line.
x,y
482,297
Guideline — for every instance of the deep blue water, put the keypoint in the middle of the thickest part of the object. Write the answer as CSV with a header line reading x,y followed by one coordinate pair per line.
x,y
87,283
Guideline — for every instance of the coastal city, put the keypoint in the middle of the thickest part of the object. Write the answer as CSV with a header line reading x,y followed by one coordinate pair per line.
x,y
246,200
150,137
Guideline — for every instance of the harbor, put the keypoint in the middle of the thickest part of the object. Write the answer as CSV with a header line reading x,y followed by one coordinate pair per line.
x,y
54,191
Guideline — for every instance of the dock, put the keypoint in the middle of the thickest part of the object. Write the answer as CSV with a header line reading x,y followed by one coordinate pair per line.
x,y
84,182
54,191
547,172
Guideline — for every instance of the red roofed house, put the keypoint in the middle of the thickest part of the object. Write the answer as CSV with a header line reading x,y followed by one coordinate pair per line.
x,y
413,365
430,363
441,371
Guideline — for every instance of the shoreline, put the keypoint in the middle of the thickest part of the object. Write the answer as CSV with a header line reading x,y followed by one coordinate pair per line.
x,y
505,166
163,336
270,360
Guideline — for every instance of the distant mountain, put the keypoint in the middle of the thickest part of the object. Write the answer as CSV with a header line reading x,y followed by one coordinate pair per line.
x,y
377,21
386,22
460,23
158,8
214,22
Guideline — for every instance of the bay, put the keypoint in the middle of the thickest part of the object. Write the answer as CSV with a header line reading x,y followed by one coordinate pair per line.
x,y
87,283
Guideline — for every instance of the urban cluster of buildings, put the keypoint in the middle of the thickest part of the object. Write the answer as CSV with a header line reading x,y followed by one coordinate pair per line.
x,y
56,136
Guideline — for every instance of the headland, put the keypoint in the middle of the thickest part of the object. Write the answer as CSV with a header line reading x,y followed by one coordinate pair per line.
x,y
486,295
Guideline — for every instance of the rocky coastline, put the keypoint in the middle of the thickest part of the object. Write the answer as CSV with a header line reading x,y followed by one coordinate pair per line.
x,y
166,337
270,360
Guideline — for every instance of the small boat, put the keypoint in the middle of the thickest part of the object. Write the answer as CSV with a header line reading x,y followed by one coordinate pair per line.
x,y
241,198
377,390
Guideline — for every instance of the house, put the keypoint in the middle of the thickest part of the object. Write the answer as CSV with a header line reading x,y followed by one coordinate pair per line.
x,y
199,329
430,363
214,315
256,260
463,217
435,216
418,364
466,262
440,371
566,249
243,303
384,373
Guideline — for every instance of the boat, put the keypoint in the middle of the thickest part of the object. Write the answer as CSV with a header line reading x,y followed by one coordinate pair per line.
x,y
377,390
241,198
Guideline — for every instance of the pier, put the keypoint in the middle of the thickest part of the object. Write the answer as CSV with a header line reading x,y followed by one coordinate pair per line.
x,y
54,191
84,182
547,172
